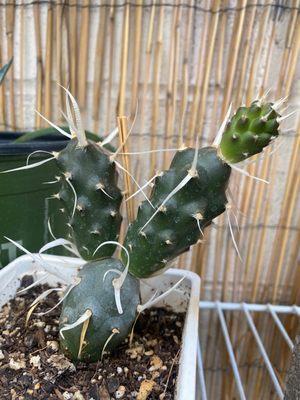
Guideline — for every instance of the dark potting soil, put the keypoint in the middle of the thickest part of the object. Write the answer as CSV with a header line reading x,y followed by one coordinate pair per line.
x,y
32,366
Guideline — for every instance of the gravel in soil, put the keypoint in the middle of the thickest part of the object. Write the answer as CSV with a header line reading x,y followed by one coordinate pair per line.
x,y
32,367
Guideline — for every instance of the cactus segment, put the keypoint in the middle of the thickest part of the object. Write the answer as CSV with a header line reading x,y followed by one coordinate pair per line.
x,y
180,222
90,322
249,131
90,197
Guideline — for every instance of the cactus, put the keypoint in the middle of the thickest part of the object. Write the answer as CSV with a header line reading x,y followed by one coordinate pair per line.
x,y
102,327
90,197
185,199
154,239
249,131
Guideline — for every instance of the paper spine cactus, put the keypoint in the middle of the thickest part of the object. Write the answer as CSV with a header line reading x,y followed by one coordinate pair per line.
x,y
101,304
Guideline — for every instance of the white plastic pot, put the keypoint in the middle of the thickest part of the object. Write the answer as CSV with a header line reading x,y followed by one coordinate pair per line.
x,y
183,299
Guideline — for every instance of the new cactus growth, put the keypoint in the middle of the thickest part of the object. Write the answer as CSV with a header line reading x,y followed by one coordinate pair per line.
x,y
90,322
249,131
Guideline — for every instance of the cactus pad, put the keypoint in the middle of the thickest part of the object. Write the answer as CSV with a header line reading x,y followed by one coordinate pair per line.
x,y
249,131
95,217
179,223
95,294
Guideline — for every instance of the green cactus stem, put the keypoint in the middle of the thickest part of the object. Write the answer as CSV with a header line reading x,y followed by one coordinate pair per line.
x,y
180,222
90,322
90,197
249,131
156,238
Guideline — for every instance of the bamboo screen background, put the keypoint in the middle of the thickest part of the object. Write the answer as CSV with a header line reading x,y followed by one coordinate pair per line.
x,y
177,65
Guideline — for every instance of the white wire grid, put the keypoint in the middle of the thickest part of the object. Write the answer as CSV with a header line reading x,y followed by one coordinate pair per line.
x,y
246,309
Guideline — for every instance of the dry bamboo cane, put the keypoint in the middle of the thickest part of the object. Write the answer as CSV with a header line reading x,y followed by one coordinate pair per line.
x,y
39,80
123,135
172,90
111,63
185,73
22,52
155,88
213,28
72,45
136,57
149,46
83,56
59,33
2,95
124,62
99,67
199,76
9,32
48,63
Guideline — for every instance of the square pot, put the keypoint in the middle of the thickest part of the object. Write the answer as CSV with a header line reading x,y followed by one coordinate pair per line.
x,y
183,299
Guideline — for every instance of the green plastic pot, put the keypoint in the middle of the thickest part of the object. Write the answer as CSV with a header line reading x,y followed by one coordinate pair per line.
x,y
25,199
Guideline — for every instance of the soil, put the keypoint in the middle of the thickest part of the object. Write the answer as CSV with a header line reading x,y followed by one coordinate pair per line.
x,y
32,366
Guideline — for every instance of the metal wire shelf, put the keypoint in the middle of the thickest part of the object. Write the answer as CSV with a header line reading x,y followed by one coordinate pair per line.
x,y
246,309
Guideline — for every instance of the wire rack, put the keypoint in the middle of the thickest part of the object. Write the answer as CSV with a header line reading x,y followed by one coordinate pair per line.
x,y
246,310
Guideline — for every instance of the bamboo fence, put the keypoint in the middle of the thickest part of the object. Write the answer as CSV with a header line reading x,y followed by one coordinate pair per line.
x,y
173,68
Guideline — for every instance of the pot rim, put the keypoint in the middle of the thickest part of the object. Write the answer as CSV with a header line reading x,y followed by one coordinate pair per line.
x,y
51,142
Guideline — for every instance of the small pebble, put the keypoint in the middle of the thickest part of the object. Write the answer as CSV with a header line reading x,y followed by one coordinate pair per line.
x,y
35,361
120,392
1,355
119,370
16,364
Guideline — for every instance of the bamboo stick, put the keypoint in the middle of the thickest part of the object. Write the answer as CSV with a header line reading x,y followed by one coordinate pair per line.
x,y
22,51
59,34
123,134
233,52
172,84
48,62
124,61
72,45
199,75
147,63
39,80
185,73
83,53
99,66
9,31
155,87
214,22
2,94
136,57
111,63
